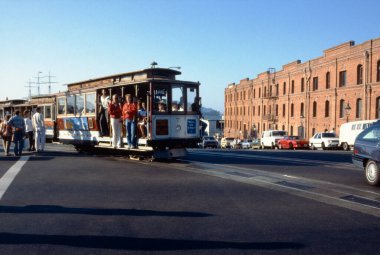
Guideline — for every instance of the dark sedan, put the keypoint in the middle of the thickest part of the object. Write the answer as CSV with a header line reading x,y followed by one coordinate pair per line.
x,y
367,153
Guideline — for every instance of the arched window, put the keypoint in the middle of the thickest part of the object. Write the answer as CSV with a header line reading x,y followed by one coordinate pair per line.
x,y
302,84
327,80
292,87
359,74
292,110
265,91
302,113
358,108
314,109
291,130
276,109
378,108
284,88
341,108
378,71
327,108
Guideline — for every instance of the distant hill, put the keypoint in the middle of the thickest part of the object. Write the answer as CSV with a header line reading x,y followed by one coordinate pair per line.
x,y
209,113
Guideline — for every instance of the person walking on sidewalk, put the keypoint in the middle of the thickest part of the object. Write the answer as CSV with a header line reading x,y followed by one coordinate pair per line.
x,y
6,133
29,130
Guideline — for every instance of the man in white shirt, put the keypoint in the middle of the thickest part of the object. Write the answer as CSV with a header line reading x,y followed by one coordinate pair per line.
x,y
39,129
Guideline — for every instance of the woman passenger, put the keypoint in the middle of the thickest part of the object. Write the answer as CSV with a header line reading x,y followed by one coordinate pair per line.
x,y
7,134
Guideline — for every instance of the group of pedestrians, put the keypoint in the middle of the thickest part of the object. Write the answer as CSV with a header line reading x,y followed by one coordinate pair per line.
x,y
133,114
16,128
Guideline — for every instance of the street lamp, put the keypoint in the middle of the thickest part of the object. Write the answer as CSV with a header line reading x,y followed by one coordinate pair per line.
x,y
347,109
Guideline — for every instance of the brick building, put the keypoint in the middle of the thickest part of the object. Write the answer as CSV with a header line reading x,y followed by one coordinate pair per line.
x,y
304,98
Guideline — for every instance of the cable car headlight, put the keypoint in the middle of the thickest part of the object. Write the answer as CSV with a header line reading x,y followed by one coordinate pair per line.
x,y
178,127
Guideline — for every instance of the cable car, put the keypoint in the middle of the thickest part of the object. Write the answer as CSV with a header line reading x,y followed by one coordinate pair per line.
x,y
172,112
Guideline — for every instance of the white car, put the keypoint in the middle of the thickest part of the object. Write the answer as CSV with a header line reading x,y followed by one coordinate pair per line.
x,y
270,138
324,141
246,144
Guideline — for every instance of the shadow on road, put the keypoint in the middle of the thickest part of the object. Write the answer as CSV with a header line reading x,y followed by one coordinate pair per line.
x,y
55,209
143,244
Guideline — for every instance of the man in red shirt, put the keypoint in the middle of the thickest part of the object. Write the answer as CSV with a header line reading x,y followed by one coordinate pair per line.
x,y
114,109
129,116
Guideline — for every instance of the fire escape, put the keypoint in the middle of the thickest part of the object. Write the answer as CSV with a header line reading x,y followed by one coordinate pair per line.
x,y
271,96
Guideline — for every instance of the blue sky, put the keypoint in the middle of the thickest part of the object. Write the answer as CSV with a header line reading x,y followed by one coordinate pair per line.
x,y
215,42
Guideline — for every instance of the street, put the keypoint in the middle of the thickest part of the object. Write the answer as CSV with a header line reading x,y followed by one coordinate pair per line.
x,y
211,202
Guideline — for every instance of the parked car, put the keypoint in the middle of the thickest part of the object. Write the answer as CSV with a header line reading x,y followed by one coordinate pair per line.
x,y
366,153
246,144
324,141
270,138
226,142
236,144
256,144
293,142
350,130
208,142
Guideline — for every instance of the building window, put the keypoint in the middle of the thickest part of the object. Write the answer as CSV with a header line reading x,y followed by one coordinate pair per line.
x,y
314,109
253,111
342,78
315,83
292,110
276,109
377,107
358,108
259,92
341,108
313,132
302,114
359,74
327,108
258,111
327,80
283,110
254,93
283,127
277,93
284,88
378,71
292,86
265,91
302,84
291,130
265,110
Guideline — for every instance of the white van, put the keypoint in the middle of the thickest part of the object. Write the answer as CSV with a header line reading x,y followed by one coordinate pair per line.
x,y
270,138
350,130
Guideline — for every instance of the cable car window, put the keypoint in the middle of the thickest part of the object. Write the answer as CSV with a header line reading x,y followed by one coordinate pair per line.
x,y
160,99
192,104
177,98
70,104
61,105
47,112
90,103
79,106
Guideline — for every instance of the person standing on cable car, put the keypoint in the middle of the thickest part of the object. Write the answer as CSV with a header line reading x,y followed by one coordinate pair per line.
x,y
129,116
103,113
114,109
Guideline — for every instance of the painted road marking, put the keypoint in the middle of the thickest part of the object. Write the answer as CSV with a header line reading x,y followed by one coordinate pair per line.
x,y
11,174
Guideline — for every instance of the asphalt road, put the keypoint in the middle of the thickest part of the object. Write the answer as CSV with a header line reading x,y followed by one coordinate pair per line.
x,y
212,202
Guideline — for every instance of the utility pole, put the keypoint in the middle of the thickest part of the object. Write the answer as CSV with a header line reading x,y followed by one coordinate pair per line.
x,y
30,88
39,81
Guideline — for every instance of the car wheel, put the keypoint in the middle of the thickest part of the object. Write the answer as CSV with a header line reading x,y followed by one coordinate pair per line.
x,y
273,146
372,173
346,147
279,146
262,146
323,146
291,147
313,147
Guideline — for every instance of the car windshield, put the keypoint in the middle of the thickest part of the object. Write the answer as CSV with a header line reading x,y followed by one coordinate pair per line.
x,y
208,138
332,135
229,139
294,138
278,133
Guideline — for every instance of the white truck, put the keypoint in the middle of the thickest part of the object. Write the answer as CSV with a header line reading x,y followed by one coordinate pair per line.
x,y
350,130
270,138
